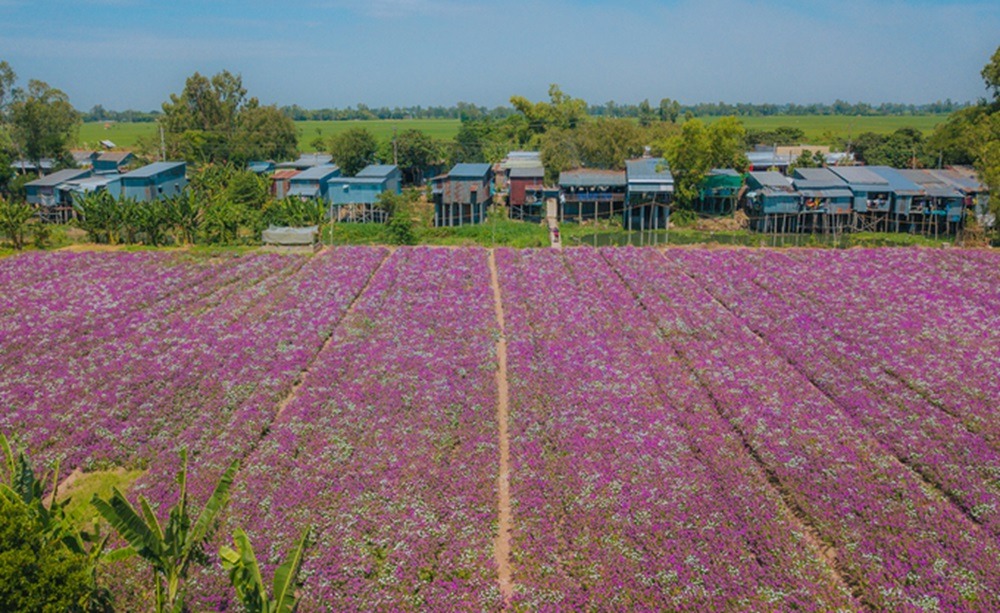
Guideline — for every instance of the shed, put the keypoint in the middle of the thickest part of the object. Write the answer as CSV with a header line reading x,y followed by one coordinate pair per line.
x,y
84,159
154,181
462,196
312,182
280,182
112,162
592,194
86,185
261,168
516,160
290,237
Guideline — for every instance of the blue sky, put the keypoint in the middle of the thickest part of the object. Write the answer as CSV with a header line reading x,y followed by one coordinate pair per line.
x,y
320,53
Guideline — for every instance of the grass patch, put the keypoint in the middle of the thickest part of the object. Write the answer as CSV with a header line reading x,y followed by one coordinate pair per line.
x,y
83,486
502,233
829,129
127,135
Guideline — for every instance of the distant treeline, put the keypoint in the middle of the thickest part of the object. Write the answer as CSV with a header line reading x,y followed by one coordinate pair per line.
x,y
467,111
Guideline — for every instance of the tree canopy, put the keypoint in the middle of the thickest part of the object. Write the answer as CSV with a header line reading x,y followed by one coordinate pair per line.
x,y
42,121
698,148
353,149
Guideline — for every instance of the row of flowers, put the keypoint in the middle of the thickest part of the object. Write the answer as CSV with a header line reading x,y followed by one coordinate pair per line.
x,y
389,448
629,490
899,544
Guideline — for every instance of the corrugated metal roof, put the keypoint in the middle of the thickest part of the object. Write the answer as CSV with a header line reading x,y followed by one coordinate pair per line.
x,y
114,156
859,175
958,180
898,183
89,184
470,171
931,184
284,174
772,179
307,191
153,169
59,177
827,193
728,172
648,170
359,180
527,172
819,175
377,170
592,178
317,173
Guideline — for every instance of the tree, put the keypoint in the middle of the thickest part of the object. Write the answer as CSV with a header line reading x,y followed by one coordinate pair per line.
x,y
172,548
727,144
14,217
991,74
646,114
413,151
263,133
698,149
607,143
42,122
669,110
7,79
246,578
353,149
399,208
559,152
561,111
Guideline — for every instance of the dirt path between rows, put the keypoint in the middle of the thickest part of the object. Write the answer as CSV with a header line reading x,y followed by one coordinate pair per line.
x,y
304,373
501,546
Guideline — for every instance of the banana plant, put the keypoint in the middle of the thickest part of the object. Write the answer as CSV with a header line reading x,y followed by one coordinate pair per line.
x,y
246,578
172,548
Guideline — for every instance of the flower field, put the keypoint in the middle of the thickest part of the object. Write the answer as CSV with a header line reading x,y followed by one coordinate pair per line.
x,y
696,430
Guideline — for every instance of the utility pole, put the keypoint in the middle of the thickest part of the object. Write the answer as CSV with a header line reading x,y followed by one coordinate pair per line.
x,y
395,149
163,145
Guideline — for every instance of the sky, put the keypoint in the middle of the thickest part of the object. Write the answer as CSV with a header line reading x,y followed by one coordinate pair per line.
x,y
126,54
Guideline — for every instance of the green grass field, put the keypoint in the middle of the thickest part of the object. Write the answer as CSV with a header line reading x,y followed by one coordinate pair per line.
x,y
126,135
825,129
819,129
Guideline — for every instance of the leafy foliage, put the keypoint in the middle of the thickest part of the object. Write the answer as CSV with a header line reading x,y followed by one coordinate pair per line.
x,y
698,149
14,218
246,578
42,120
170,549
353,150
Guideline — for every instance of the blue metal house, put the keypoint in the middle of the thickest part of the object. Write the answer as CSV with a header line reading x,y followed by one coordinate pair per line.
x,y
353,199
312,182
44,190
871,191
112,162
902,190
822,191
462,196
155,181
941,200
649,192
771,200
100,183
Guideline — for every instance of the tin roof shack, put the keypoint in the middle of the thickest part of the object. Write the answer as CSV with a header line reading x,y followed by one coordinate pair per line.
x,y
312,183
87,185
902,192
462,196
772,201
308,160
354,199
281,182
524,185
976,194
515,160
592,194
825,201
155,181
649,193
871,191
719,193
942,207
113,162
45,193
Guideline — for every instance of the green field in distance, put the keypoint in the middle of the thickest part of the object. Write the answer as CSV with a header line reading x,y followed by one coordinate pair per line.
x,y
819,129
